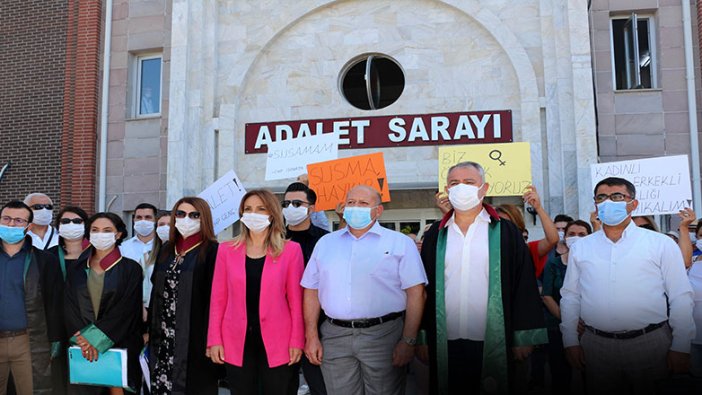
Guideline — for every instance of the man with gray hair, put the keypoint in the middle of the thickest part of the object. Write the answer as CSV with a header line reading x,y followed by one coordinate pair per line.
x,y
483,310
44,236
370,282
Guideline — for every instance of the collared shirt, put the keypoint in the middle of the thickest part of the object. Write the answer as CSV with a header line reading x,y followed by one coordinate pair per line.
x,y
466,279
624,286
49,240
13,316
364,277
138,251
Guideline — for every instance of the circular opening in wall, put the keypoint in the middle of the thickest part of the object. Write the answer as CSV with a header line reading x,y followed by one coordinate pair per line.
x,y
372,82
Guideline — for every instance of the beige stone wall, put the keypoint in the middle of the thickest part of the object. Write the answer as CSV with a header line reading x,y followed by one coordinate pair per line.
x,y
136,148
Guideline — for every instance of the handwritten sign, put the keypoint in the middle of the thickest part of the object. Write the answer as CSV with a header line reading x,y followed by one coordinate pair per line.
x,y
289,158
662,184
332,179
224,196
507,166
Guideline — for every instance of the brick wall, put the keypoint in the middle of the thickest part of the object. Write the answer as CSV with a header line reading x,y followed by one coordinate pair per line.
x,y
49,63
32,60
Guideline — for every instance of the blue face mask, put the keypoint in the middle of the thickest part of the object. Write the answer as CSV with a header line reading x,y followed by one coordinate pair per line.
x,y
11,235
358,217
612,213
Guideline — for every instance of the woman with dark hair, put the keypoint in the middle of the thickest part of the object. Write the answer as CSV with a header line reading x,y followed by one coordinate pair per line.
x,y
71,223
256,324
180,303
554,273
103,300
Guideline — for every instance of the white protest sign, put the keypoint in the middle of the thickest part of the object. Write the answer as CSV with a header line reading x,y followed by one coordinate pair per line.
x,y
224,196
662,184
289,158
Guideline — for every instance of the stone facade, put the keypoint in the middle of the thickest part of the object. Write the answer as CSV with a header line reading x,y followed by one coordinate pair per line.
x,y
234,62
136,147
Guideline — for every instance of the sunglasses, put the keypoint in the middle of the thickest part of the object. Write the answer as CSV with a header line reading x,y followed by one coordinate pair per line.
x,y
41,206
296,203
66,221
183,214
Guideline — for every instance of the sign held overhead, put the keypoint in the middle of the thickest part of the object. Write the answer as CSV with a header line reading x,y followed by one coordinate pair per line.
x,y
331,180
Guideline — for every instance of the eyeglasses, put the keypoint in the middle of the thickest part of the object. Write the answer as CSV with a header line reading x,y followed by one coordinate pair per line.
x,y
6,220
41,206
66,221
296,203
183,214
615,197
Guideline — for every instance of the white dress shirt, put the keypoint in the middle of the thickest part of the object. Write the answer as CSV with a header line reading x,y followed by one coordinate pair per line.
x,y
363,277
695,276
623,286
49,240
139,251
466,276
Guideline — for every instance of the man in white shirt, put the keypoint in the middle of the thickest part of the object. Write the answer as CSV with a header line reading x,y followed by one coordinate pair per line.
x,y
44,236
139,247
370,282
629,287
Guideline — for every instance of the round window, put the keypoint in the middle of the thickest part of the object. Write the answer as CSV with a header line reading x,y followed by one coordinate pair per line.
x,y
372,82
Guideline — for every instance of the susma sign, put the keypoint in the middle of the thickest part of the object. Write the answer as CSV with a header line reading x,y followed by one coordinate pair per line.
x,y
390,131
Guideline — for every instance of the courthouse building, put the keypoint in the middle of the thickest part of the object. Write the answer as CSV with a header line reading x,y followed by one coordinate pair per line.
x,y
199,87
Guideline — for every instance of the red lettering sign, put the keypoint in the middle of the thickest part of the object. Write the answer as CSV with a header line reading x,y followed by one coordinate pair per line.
x,y
390,131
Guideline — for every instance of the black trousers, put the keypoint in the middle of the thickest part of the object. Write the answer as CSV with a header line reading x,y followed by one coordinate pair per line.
x,y
255,373
561,372
465,365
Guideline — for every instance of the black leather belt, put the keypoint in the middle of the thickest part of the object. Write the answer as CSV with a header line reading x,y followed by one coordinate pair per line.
x,y
366,322
627,334
6,334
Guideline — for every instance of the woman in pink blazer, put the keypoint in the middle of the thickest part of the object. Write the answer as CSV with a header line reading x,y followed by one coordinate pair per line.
x,y
256,327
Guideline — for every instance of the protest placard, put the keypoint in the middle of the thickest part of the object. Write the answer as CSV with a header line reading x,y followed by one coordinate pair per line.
x,y
224,196
332,179
662,184
507,166
289,158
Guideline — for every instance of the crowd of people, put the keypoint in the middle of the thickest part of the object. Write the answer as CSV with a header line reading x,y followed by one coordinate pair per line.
x,y
477,303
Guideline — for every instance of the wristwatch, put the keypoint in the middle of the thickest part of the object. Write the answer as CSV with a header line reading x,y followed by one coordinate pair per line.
x,y
412,341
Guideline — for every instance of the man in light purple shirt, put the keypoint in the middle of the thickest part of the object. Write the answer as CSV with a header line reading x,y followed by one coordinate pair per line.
x,y
370,282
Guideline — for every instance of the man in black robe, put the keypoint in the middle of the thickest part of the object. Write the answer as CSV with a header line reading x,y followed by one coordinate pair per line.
x,y
298,206
30,302
493,296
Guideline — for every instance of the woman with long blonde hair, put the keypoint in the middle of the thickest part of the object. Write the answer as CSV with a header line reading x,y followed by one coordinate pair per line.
x,y
256,327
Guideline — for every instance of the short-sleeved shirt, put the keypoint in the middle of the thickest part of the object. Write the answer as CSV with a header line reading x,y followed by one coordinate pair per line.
x,y
554,273
364,277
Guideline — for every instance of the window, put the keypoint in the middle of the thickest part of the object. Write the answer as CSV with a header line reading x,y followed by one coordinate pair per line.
x,y
633,52
373,82
147,97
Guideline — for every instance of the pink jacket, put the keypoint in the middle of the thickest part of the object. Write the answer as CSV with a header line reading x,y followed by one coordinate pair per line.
x,y
280,309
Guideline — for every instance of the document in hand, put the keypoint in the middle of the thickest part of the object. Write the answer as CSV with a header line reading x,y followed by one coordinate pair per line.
x,y
110,369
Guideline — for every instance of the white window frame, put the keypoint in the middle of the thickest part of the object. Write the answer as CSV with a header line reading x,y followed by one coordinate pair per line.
x,y
652,44
136,99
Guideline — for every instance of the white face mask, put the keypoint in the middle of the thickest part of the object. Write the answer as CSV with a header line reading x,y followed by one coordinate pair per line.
x,y
144,228
698,244
71,231
571,240
42,217
561,235
163,232
187,226
295,215
255,222
464,197
103,241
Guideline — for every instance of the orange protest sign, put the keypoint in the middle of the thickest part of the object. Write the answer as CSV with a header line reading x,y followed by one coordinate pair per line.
x,y
332,179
